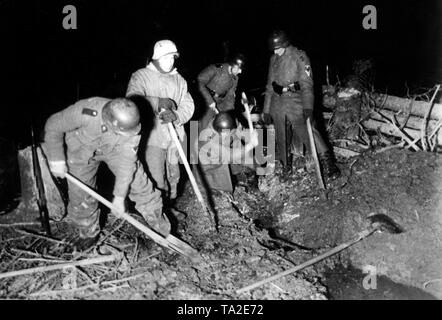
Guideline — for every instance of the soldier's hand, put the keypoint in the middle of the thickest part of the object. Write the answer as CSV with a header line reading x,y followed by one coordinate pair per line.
x,y
58,168
118,204
254,139
277,88
166,104
267,118
308,113
167,116
213,107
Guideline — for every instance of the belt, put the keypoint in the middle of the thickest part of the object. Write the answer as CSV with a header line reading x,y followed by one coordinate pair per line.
x,y
216,95
294,87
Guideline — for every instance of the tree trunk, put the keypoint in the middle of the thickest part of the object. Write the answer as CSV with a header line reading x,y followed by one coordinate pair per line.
x,y
29,192
418,108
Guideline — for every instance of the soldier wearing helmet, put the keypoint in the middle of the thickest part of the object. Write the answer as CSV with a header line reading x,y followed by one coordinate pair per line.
x,y
217,84
101,130
289,95
223,150
166,91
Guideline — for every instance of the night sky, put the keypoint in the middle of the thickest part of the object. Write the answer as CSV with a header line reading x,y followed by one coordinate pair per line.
x,y
52,67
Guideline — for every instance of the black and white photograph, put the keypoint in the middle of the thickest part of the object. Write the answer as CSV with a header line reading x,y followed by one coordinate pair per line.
x,y
220,154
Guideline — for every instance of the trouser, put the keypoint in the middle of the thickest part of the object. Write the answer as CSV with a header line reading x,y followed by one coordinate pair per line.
x,y
83,209
289,109
164,169
214,176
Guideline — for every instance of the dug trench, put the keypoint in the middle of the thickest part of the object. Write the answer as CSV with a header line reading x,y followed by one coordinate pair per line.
x,y
281,224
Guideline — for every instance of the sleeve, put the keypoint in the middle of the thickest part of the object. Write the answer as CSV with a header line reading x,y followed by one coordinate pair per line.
x,y
305,77
203,79
136,89
230,97
125,165
269,88
186,106
56,126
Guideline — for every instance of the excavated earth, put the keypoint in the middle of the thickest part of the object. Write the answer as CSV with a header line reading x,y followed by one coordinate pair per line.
x,y
286,221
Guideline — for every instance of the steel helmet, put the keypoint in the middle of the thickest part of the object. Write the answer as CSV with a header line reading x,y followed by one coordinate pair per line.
x,y
223,121
164,47
237,60
122,115
278,39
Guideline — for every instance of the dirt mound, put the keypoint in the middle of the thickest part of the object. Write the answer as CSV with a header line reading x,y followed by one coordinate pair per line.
x,y
404,185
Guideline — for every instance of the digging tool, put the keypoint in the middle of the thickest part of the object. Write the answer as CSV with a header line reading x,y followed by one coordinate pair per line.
x,y
212,216
41,200
378,222
315,156
245,102
170,242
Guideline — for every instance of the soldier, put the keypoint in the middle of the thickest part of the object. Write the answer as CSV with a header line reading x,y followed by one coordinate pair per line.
x,y
101,130
166,91
289,94
220,147
217,84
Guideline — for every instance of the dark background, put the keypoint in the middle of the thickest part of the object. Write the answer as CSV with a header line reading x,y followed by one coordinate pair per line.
x,y
47,67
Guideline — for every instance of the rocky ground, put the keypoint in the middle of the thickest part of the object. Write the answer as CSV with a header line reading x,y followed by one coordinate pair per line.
x,y
285,222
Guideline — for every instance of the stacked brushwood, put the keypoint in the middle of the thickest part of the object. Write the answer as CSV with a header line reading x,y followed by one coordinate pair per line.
x,y
417,123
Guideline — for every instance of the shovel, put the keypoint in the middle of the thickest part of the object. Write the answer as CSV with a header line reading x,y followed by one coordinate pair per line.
x,y
212,216
379,222
170,242
315,157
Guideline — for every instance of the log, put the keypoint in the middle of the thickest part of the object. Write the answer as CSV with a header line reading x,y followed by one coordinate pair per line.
x,y
386,128
413,122
418,108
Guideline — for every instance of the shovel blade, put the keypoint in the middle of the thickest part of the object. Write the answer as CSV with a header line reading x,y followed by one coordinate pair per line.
x,y
183,248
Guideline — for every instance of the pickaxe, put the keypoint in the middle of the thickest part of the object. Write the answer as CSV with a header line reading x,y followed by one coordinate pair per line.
x,y
378,222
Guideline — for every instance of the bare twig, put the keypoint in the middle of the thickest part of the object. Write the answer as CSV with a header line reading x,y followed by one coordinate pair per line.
x,y
43,237
91,286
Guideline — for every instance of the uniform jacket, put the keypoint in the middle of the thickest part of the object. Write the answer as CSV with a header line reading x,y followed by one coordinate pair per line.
x,y
217,79
152,84
87,136
293,66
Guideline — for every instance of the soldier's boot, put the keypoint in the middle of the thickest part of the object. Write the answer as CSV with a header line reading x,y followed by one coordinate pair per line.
x,y
88,237
158,221
288,168
331,171
169,206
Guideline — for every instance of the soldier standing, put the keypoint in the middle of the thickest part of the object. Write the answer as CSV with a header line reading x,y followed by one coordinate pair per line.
x,y
101,130
166,91
289,95
217,84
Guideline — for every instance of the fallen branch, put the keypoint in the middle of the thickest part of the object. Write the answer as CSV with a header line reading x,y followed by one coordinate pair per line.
x,y
20,224
43,237
90,286
427,114
59,266
404,136
399,145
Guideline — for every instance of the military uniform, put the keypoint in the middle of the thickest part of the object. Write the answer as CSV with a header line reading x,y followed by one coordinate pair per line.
x,y
291,71
218,158
218,85
161,152
89,142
